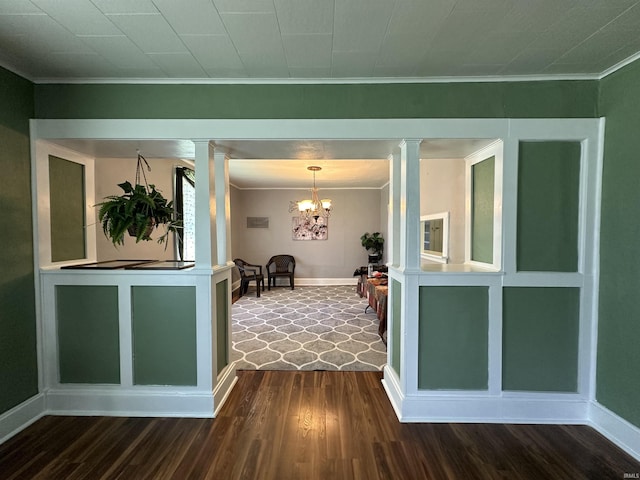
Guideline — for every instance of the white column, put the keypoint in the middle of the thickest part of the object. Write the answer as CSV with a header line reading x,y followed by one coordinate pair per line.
x,y
205,219
410,205
393,242
223,207
409,263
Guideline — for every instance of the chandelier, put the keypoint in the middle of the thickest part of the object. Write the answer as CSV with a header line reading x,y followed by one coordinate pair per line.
x,y
313,208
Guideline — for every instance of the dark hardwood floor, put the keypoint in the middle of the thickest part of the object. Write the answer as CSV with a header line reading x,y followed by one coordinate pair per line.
x,y
306,425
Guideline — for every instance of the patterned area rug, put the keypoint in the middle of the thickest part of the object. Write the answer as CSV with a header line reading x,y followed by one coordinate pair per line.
x,y
309,328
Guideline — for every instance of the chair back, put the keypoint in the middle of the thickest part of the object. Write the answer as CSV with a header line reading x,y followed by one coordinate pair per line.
x,y
241,266
283,263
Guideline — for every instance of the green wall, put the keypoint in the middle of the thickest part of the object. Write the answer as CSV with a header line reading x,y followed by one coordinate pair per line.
x,y
540,339
618,387
164,335
618,356
482,210
18,363
396,298
435,100
548,201
453,335
67,201
222,324
88,334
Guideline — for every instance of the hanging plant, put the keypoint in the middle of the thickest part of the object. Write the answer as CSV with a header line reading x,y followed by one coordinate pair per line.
x,y
138,211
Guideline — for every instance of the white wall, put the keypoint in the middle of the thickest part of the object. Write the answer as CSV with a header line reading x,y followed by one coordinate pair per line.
x,y
354,212
442,189
109,172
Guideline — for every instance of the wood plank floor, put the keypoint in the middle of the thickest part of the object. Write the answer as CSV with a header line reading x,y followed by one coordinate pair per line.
x,y
306,425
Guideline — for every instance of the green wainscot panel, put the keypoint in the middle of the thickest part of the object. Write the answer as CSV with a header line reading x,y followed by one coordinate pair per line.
x,y
396,296
540,339
67,202
88,334
453,338
222,319
548,201
483,181
164,335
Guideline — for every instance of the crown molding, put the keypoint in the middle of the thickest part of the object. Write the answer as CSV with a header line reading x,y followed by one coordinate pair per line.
x,y
619,65
317,81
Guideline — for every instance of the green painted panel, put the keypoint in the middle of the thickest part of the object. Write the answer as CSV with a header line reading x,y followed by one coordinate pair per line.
x,y
453,335
222,322
540,339
164,335
482,205
88,333
617,384
18,358
396,353
67,201
420,100
16,102
548,202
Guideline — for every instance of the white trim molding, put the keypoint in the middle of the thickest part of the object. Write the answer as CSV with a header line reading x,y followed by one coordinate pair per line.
x,y
624,434
21,416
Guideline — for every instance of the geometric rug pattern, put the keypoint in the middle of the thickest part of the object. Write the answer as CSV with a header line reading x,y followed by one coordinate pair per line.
x,y
309,328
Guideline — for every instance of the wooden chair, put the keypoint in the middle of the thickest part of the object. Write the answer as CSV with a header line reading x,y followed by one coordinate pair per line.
x,y
249,272
280,266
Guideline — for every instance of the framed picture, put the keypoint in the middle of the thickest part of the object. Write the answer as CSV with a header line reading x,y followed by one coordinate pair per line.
x,y
257,222
309,229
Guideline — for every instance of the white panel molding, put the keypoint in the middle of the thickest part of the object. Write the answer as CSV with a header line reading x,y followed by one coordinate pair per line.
x,y
624,434
21,416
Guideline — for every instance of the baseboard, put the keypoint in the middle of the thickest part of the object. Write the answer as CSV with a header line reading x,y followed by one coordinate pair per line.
x,y
320,282
391,384
21,416
624,434
441,407
130,403
223,388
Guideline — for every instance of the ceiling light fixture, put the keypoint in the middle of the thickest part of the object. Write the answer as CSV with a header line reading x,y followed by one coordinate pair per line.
x,y
313,208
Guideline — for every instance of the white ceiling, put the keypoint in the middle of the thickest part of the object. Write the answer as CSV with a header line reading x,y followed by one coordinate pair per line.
x,y
282,163
203,40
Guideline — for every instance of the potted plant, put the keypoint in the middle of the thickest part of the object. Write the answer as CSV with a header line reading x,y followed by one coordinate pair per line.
x,y
139,210
374,244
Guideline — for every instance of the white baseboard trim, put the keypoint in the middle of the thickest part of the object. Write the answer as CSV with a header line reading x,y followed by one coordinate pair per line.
x,y
21,416
624,434
320,282
226,381
478,408
130,403
391,384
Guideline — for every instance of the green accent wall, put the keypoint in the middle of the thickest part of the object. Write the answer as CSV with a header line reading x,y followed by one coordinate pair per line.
x,y
482,210
164,335
222,323
18,360
617,384
419,100
88,334
540,339
548,202
66,201
453,338
396,297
